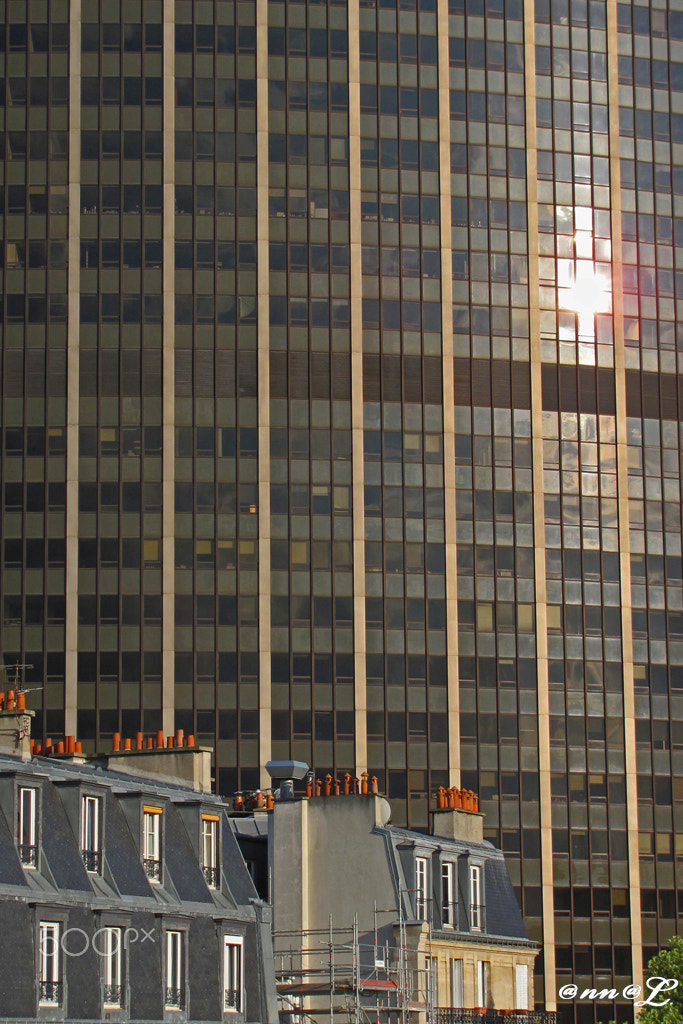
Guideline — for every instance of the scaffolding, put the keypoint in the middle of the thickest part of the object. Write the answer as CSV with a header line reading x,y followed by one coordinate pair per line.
x,y
337,974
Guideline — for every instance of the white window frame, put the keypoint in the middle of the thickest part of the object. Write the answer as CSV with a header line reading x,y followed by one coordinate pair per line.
x,y
431,987
50,957
456,980
112,961
521,986
90,827
27,833
447,893
175,966
210,846
483,983
475,897
421,884
151,839
233,971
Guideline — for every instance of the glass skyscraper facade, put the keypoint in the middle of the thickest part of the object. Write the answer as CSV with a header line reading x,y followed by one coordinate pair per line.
x,y
341,413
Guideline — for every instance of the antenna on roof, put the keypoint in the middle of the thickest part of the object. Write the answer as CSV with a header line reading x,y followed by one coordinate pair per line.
x,y
17,683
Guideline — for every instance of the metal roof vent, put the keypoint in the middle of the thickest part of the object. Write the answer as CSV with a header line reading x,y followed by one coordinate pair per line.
x,y
285,772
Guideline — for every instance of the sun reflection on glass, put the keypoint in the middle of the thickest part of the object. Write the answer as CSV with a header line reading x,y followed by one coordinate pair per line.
x,y
588,295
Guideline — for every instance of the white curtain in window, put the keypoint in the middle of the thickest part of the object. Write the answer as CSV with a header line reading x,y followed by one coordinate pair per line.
x,y
456,984
521,987
482,983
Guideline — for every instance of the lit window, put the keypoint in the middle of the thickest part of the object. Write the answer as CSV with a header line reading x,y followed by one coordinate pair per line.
x,y
28,827
111,959
447,894
50,964
421,888
175,973
475,900
151,843
90,833
210,850
232,974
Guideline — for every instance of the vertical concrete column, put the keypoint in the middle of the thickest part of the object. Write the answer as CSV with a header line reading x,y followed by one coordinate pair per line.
x,y
263,342
622,497
168,378
360,675
72,370
448,399
548,909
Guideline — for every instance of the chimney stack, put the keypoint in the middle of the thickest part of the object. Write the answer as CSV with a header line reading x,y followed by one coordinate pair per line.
x,y
457,816
15,730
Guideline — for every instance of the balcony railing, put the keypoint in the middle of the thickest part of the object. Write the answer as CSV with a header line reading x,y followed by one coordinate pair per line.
x,y
477,917
449,915
51,993
454,916
449,1015
211,876
28,855
92,860
232,999
112,995
175,998
152,868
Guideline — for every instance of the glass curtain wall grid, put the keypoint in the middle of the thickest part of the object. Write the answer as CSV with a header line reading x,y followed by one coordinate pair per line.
x,y
34,158
120,369
245,355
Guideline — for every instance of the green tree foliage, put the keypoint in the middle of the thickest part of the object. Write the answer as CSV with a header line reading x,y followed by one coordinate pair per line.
x,y
668,963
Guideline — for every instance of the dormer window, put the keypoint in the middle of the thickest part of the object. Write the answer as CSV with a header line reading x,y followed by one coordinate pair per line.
x,y
210,849
151,842
233,998
476,908
421,888
91,848
111,953
175,971
28,827
447,895
50,970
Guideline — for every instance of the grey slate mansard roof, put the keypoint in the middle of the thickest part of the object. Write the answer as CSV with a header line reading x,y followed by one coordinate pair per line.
x,y
503,917
120,894
123,875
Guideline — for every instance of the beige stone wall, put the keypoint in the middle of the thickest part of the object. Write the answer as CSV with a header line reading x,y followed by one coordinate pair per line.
x,y
502,960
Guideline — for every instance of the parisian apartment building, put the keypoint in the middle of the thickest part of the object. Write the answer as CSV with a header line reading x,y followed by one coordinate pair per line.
x,y
123,893
425,925
340,409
